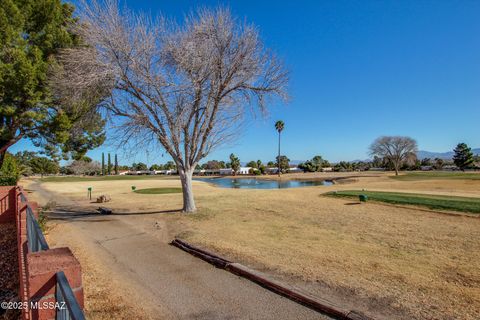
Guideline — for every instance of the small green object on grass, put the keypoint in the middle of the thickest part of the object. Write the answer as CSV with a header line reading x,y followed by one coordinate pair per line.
x,y
362,198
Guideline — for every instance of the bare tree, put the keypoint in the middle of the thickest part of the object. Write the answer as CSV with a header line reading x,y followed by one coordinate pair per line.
x,y
81,167
396,149
186,87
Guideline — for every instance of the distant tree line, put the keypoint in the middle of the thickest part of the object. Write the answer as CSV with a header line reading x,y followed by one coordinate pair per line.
x,y
401,157
25,163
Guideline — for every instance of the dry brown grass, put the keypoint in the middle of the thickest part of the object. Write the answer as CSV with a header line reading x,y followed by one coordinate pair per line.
x,y
105,298
390,262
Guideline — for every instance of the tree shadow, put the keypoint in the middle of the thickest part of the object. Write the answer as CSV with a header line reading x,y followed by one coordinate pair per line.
x,y
351,203
86,215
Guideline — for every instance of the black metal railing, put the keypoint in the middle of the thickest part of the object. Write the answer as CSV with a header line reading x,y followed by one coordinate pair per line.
x,y
68,307
36,239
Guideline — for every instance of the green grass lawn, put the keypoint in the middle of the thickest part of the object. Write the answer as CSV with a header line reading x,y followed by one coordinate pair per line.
x,y
451,203
414,176
158,190
104,178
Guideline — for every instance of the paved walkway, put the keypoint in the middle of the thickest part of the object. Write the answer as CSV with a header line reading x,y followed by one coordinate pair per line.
x,y
178,285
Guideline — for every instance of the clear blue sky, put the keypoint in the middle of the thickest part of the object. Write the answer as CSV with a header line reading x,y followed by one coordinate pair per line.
x,y
359,69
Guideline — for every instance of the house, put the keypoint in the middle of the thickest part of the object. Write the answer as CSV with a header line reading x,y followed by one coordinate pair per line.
x,y
199,172
169,171
327,169
271,170
294,170
244,170
123,172
226,172
450,167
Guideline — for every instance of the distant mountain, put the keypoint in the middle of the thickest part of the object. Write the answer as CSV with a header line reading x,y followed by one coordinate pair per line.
x,y
442,155
295,162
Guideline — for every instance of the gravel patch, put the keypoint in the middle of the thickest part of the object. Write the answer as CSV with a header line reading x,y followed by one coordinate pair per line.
x,y
8,269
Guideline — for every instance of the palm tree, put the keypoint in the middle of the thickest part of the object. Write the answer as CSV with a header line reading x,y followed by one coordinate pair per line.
x,y
279,125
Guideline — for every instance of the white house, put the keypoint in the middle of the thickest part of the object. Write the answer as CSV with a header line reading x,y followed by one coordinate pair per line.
x,y
327,169
294,170
169,171
244,170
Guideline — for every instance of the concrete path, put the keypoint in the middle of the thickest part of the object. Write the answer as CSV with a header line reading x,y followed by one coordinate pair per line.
x,y
176,284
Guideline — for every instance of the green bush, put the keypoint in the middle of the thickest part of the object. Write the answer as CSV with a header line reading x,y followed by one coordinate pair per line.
x,y
9,173
8,180
42,220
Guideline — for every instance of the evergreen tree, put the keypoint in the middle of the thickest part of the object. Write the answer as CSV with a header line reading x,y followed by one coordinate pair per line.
x,y
252,164
463,157
283,163
109,165
279,126
31,34
235,163
116,164
10,171
103,164
43,165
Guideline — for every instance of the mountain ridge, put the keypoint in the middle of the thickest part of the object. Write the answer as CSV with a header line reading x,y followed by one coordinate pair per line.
x,y
448,155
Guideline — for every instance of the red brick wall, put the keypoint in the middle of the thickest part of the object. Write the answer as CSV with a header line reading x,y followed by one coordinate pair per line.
x,y
7,204
38,269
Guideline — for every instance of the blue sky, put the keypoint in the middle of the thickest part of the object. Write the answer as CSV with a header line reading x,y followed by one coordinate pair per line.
x,y
359,69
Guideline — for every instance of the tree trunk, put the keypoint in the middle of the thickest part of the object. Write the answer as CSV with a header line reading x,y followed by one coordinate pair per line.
x,y
2,157
278,160
188,200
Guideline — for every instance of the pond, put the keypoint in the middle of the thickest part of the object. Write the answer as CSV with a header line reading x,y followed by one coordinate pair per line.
x,y
252,183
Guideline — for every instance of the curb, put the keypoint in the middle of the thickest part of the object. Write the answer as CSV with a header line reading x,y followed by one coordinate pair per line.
x,y
217,261
294,294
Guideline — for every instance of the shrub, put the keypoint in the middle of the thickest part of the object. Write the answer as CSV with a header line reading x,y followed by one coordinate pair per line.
x,y
42,220
262,169
9,173
8,180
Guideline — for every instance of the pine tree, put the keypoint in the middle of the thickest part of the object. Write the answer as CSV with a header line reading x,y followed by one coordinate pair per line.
x,y
32,33
116,164
103,164
109,166
463,157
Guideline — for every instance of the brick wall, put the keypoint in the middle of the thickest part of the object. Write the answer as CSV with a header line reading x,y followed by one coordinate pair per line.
x,y
38,269
7,204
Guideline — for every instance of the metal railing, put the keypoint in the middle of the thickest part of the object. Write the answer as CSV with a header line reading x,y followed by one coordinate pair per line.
x,y
68,307
36,239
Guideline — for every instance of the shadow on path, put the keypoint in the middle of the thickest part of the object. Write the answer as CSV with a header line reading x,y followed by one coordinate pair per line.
x,y
75,214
